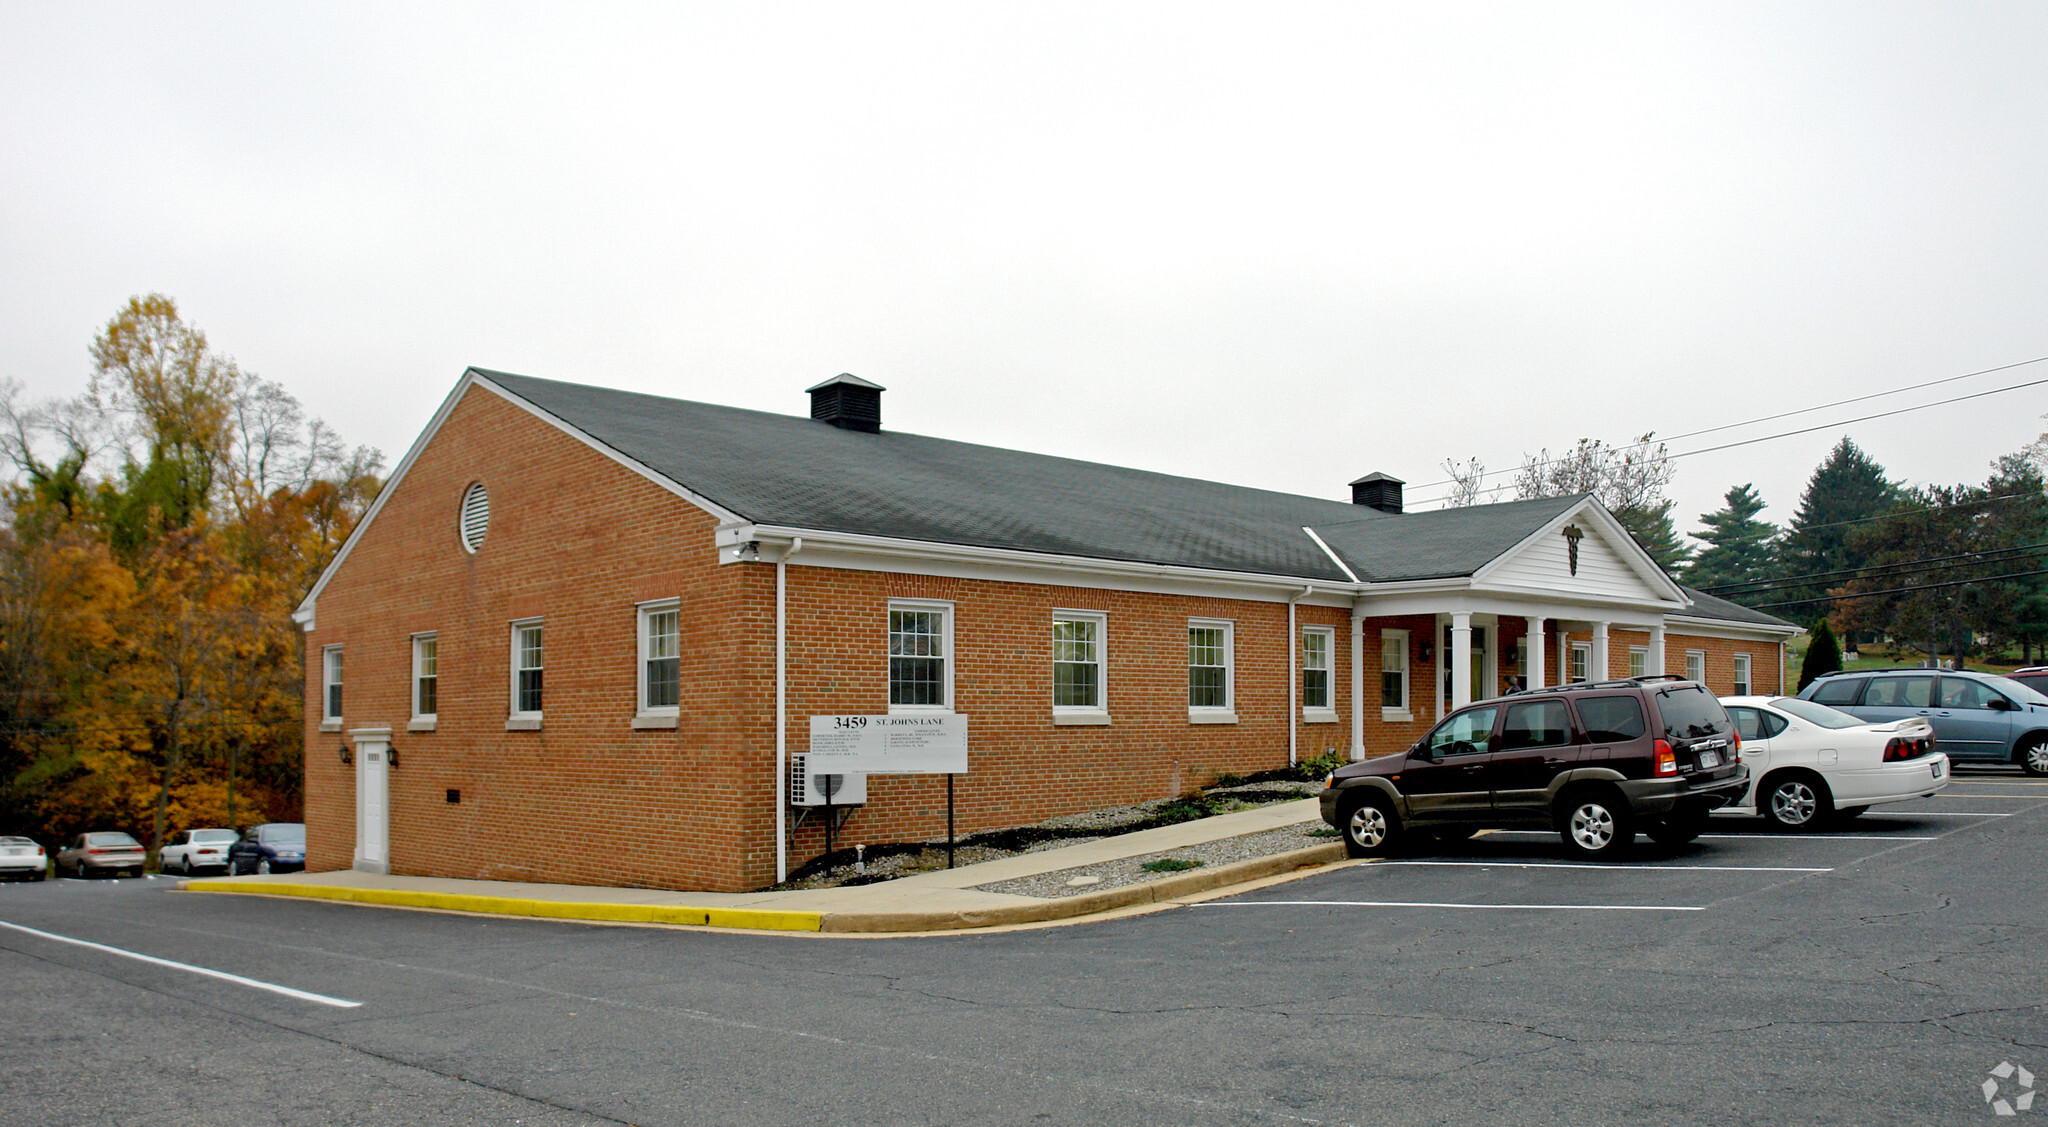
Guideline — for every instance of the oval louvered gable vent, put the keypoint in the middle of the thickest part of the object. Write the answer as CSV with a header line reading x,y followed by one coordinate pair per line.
x,y
476,516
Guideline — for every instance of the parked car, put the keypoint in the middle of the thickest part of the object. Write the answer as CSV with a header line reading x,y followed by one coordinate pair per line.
x,y
91,854
273,847
2034,677
1593,761
191,850
22,858
1810,762
1976,716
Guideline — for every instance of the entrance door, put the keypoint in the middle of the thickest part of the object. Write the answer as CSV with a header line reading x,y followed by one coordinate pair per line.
x,y
373,805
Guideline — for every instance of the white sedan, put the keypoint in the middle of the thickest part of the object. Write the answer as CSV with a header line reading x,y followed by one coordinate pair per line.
x,y
1808,762
192,850
21,857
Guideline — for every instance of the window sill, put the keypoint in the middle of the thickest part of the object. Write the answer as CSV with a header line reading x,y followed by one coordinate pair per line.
x,y
421,724
1396,716
522,723
655,720
1319,716
919,710
1080,719
1211,716
333,725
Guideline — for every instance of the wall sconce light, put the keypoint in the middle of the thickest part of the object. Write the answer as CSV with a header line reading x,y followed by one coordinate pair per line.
x,y
346,758
1424,651
391,754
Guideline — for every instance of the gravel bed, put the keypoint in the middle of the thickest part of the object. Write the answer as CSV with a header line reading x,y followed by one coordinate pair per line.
x,y
1131,870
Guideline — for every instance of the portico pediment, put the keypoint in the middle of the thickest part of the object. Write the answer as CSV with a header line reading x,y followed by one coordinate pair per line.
x,y
1584,553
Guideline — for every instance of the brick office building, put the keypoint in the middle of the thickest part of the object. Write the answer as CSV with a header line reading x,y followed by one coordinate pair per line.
x,y
581,632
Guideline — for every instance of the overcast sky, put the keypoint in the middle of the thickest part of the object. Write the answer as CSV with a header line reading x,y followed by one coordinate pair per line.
x,y
1281,246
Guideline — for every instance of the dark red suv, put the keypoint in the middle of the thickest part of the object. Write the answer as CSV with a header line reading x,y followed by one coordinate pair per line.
x,y
1593,761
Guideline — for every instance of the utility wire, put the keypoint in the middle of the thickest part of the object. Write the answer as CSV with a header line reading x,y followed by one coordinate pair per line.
x,y
1800,431
1822,407
1988,556
1901,590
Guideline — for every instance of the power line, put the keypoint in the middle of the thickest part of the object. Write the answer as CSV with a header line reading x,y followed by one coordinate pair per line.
x,y
1901,590
1821,407
1811,429
1992,555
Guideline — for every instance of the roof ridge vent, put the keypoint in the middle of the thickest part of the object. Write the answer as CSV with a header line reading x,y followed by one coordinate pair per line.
x,y
1378,491
848,402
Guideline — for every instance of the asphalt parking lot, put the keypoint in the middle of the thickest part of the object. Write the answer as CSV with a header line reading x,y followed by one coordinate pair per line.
x,y
1874,973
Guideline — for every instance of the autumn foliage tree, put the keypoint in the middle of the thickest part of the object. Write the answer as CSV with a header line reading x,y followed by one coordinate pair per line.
x,y
159,529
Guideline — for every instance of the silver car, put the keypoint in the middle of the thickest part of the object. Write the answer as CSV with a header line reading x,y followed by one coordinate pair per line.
x,y
89,855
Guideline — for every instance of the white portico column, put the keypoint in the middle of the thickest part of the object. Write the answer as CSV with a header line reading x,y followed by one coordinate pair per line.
x,y
1461,660
1533,646
1657,648
1599,672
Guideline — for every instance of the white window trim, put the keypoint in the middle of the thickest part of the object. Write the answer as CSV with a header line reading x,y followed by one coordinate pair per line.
x,y
1638,668
330,721
1227,714
1098,713
645,715
1745,675
1699,657
951,657
1326,713
1403,714
423,721
1572,656
515,720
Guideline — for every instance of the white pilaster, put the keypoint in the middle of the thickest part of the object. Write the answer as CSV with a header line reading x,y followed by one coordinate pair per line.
x,y
1533,646
1656,649
1461,660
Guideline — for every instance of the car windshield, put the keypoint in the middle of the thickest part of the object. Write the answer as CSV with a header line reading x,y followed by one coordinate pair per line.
x,y
1815,713
213,835
283,835
2025,694
110,839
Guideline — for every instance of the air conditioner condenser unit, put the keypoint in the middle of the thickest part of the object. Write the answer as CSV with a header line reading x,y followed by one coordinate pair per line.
x,y
806,789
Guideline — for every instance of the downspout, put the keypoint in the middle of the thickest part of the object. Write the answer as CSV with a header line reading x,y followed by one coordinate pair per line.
x,y
782,710
1294,676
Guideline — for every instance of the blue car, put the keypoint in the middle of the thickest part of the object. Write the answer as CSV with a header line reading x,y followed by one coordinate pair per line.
x,y
273,847
1976,716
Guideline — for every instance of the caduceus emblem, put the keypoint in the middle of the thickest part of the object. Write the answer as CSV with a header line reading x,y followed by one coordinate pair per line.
x,y
1571,539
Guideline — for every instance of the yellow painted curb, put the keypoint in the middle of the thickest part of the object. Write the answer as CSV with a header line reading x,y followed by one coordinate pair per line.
x,y
758,919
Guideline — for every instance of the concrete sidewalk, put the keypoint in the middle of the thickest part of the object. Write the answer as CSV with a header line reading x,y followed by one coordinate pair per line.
x,y
944,900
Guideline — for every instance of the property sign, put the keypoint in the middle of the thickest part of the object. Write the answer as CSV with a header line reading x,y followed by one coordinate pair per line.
x,y
889,745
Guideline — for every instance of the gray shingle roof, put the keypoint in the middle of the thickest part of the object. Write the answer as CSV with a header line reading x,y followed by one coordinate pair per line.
x,y
792,471
1710,606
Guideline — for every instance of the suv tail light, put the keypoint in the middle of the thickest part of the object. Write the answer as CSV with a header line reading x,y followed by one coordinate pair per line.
x,y
1667,763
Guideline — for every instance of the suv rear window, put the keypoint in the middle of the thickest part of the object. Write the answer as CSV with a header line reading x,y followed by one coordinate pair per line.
x,y
1690,712
1837,690
1611,719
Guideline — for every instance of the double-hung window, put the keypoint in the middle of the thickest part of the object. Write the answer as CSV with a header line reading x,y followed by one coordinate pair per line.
x,y
330,687
1394,676
920,655
1077,667
661,666
1318,647
426,681
1696,666
1742,679
1582,661
1638,660
527,669
1209,672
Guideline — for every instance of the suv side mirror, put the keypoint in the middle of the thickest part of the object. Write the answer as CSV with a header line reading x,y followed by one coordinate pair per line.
x,y
2000,704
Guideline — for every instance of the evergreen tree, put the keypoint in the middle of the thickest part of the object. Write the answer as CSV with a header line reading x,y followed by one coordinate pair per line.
x,y
1849,487
1822,655
1738,549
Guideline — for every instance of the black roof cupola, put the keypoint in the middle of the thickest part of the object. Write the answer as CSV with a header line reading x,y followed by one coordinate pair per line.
x,y
848,402
1378,491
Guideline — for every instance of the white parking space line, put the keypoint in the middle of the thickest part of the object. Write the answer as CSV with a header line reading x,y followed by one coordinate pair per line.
x,y
1432,904
1814,837
1929,814
224,976
1623,868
